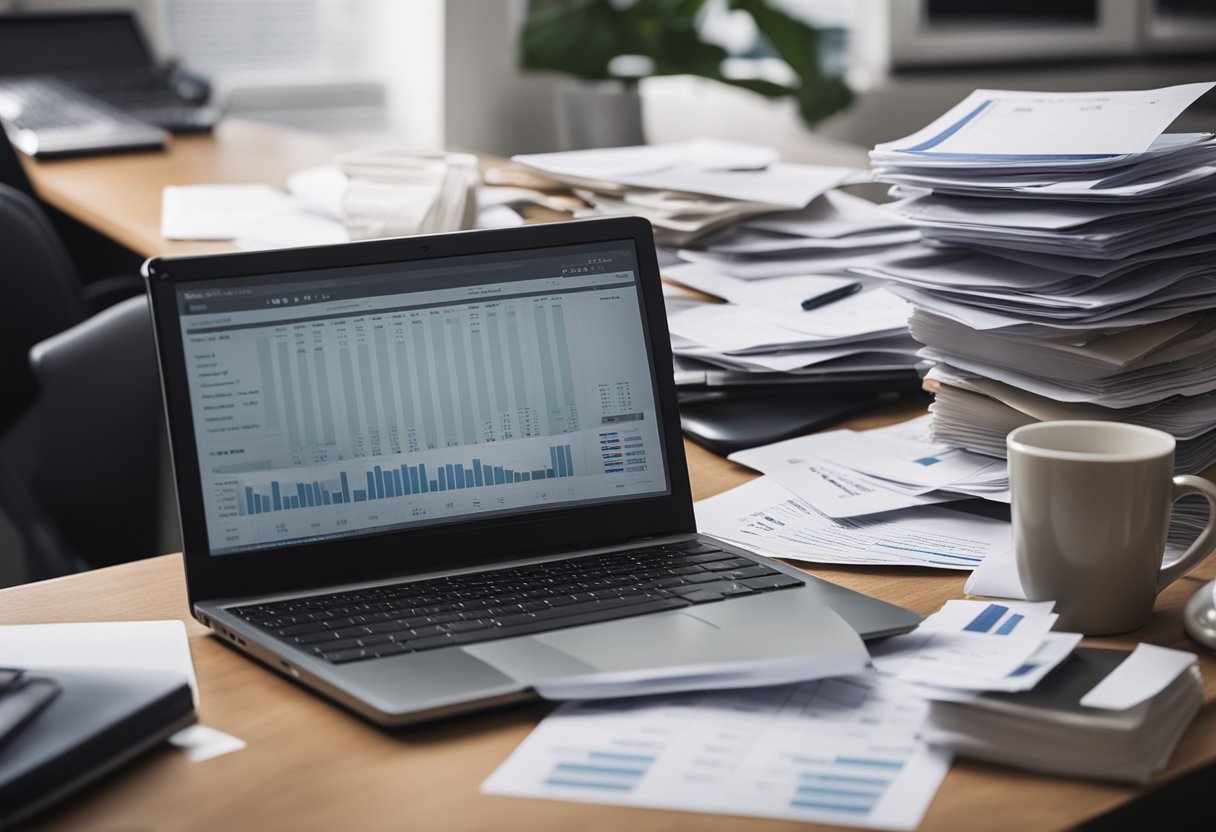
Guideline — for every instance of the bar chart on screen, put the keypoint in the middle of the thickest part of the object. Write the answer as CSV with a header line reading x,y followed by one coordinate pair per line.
x,y
389,483
348,415
414,380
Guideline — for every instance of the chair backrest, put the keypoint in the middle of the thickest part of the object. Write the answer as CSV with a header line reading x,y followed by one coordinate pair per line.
x,y
12,173
91,451
41,294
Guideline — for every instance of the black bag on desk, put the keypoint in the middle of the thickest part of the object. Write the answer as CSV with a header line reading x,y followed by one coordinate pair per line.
x,y
99,720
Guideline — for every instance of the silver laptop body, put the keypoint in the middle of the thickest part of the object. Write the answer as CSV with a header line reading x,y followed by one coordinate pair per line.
x,y
378,442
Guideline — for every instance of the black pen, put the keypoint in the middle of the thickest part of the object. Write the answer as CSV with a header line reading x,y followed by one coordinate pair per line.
x,y
832,296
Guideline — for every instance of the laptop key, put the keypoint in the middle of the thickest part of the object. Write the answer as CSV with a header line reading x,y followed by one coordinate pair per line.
x,y
778,581
705,593
729,563
467,626
352,655
756,571
303,629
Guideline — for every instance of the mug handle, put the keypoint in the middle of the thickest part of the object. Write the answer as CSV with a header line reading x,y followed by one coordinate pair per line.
x,y
1205,543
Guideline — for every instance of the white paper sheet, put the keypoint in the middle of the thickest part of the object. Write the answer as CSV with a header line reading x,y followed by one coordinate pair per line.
x,y
104,645
841,751
910,463
1139,677
217,212
202,743
968,644
834,490
1012,122
835,214
289,229
732,170
997,577
764,516
319,189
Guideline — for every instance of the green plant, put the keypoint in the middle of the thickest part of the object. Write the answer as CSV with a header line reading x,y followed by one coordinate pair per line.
x,y
582,37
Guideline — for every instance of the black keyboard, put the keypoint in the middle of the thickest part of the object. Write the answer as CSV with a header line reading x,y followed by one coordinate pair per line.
x,y
482,606
45,117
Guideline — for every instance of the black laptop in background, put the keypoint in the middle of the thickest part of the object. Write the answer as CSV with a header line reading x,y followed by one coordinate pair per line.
x,y
426,475
83,81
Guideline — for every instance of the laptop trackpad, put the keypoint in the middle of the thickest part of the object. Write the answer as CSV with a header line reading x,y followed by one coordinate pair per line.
x,y
629,644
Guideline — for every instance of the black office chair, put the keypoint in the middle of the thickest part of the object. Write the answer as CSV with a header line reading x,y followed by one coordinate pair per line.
x,y
11,171
83,472
81,416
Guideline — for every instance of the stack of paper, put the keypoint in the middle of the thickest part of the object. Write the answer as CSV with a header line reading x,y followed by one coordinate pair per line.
x,y
763,329
1101,714
836,228
848,473
688,189
1068,270
977,646
765,237
392,192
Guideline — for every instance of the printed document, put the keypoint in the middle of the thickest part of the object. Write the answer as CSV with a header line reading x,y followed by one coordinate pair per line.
x,y
991,123
764,516
841,751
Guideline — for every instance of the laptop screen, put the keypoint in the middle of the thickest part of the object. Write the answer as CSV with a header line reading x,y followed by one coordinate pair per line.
x,y
360,400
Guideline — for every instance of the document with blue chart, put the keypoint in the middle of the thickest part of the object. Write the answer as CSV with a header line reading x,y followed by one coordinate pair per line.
x,y
841,751
404,395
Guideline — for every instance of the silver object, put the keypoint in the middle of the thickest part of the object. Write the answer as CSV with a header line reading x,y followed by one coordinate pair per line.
x,y
1199,615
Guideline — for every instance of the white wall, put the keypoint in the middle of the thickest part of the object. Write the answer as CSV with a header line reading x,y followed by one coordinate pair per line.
x,y
491,106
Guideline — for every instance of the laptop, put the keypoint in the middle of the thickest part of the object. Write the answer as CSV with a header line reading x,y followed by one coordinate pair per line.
x,y
87,81
425,475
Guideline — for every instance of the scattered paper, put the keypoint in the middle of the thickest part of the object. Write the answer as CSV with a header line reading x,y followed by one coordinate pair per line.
x,y
834,490
320,190
217,212
732,170
763,516
106,645
201,743
997,577
290,229
841,751
973,645
498,216
1138,678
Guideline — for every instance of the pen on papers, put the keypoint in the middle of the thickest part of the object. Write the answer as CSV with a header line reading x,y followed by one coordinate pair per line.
x,y
832,296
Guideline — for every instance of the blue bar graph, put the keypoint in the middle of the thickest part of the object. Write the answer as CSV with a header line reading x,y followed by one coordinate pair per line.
x,y
1010,624
983,622
403,481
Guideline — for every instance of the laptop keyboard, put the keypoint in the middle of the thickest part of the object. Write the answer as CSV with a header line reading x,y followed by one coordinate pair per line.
x,y
482,606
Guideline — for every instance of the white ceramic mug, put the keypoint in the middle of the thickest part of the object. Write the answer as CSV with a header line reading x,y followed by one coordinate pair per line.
x,y
1091,509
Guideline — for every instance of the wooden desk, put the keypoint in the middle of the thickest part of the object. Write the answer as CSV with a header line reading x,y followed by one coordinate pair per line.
x,y
310,765
119,195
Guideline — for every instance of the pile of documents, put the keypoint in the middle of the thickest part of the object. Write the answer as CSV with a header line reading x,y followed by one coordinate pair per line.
x,y
1066,270
1102,714
687,189
394,193
769,239
977,646
863,498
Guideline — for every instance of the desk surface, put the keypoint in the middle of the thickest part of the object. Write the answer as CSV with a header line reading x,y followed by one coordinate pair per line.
x,y
311,765
119,195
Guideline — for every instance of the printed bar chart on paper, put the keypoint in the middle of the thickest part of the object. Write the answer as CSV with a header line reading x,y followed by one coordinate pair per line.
x,y
842,751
